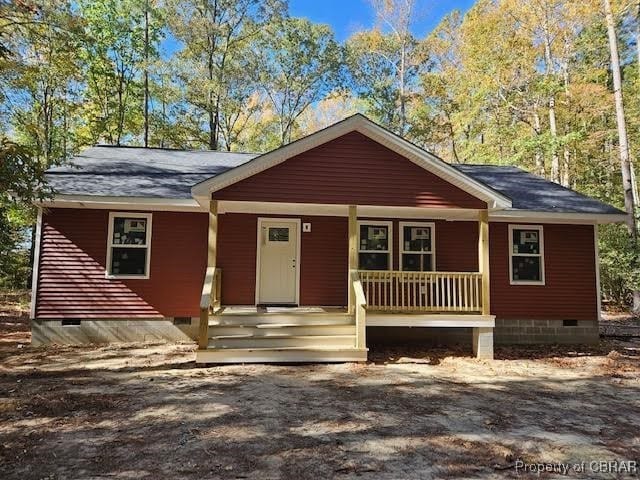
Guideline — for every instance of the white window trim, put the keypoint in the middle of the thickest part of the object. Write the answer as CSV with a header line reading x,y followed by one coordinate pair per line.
x,y
432,252
540,230
375,223
110,244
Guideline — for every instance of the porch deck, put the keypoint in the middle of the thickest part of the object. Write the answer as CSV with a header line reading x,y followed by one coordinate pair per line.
x,y
375,298
256,334
314,315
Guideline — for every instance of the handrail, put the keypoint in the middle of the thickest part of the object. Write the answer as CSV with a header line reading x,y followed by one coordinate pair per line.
x,y
207,287
360,311
410,291
210,299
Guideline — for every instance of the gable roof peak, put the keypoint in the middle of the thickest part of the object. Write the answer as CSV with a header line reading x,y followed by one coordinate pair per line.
x,y
360,123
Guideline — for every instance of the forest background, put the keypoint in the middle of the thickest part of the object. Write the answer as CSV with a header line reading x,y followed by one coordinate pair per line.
x,y
551,86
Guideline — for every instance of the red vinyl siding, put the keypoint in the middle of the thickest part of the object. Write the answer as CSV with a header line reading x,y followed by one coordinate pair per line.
x,y
325,261
323,266
352,169
72,284
324,252
236,256
570,289
72,281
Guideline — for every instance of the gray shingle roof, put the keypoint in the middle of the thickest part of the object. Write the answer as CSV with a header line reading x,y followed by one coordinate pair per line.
x,y
163,173
531,192
140,172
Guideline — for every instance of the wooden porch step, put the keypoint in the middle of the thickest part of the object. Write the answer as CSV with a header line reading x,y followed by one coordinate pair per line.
x,y
281,341
274,329
281,355
284,319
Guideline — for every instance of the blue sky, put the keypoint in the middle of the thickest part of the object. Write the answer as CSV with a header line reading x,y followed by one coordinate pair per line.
x,y
347,16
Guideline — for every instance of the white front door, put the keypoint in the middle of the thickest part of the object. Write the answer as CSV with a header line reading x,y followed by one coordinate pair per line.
x,y
277,261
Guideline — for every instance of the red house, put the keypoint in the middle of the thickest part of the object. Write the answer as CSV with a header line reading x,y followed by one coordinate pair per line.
x,y
303,253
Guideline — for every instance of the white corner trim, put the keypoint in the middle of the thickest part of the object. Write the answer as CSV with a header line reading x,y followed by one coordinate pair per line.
x,y
111,245
540,230
401,249
36,264
124,203
596,248
368,128
298,223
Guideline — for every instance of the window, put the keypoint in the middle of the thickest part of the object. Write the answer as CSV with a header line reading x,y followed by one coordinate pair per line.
x,y
526,258
278,234
129,245
374,245
417,247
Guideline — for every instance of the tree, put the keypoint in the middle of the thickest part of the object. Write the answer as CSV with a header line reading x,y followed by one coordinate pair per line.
x,y
384,63
40,77
623,140
302,65
216,35
21,182
114,50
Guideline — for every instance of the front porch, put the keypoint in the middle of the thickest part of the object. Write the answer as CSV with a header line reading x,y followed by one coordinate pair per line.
x,y
375,298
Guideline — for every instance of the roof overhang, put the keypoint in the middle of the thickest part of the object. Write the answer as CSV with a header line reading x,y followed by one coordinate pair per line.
x,y
530,216
130,203
359,123
449,214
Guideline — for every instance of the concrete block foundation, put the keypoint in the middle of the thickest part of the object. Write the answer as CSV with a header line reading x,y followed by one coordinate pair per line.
x,y
45,332
529,332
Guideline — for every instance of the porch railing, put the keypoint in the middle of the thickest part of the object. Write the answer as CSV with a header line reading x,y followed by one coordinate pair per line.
x,y
359,306
402,291
210,301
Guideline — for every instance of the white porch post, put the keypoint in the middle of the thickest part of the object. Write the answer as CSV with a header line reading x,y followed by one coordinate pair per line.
x,y
353,252
213,233
483,337
203,333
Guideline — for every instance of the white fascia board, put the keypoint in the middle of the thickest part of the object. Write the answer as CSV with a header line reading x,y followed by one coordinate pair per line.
x,y
337,210
378,134
555,217
131,203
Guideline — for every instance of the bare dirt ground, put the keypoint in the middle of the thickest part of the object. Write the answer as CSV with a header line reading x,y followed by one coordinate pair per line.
x,y
146,411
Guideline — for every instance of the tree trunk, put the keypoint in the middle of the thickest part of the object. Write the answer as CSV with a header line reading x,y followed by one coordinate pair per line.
x,y
623,140
553,128
146,73
566,162
540,167
211,103
638,31
403,113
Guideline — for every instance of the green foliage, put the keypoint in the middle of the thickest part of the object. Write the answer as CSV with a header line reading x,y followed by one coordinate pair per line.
x,y
486,86
113,51
21,182
619,264
219,50
15,267
21,176
302,66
